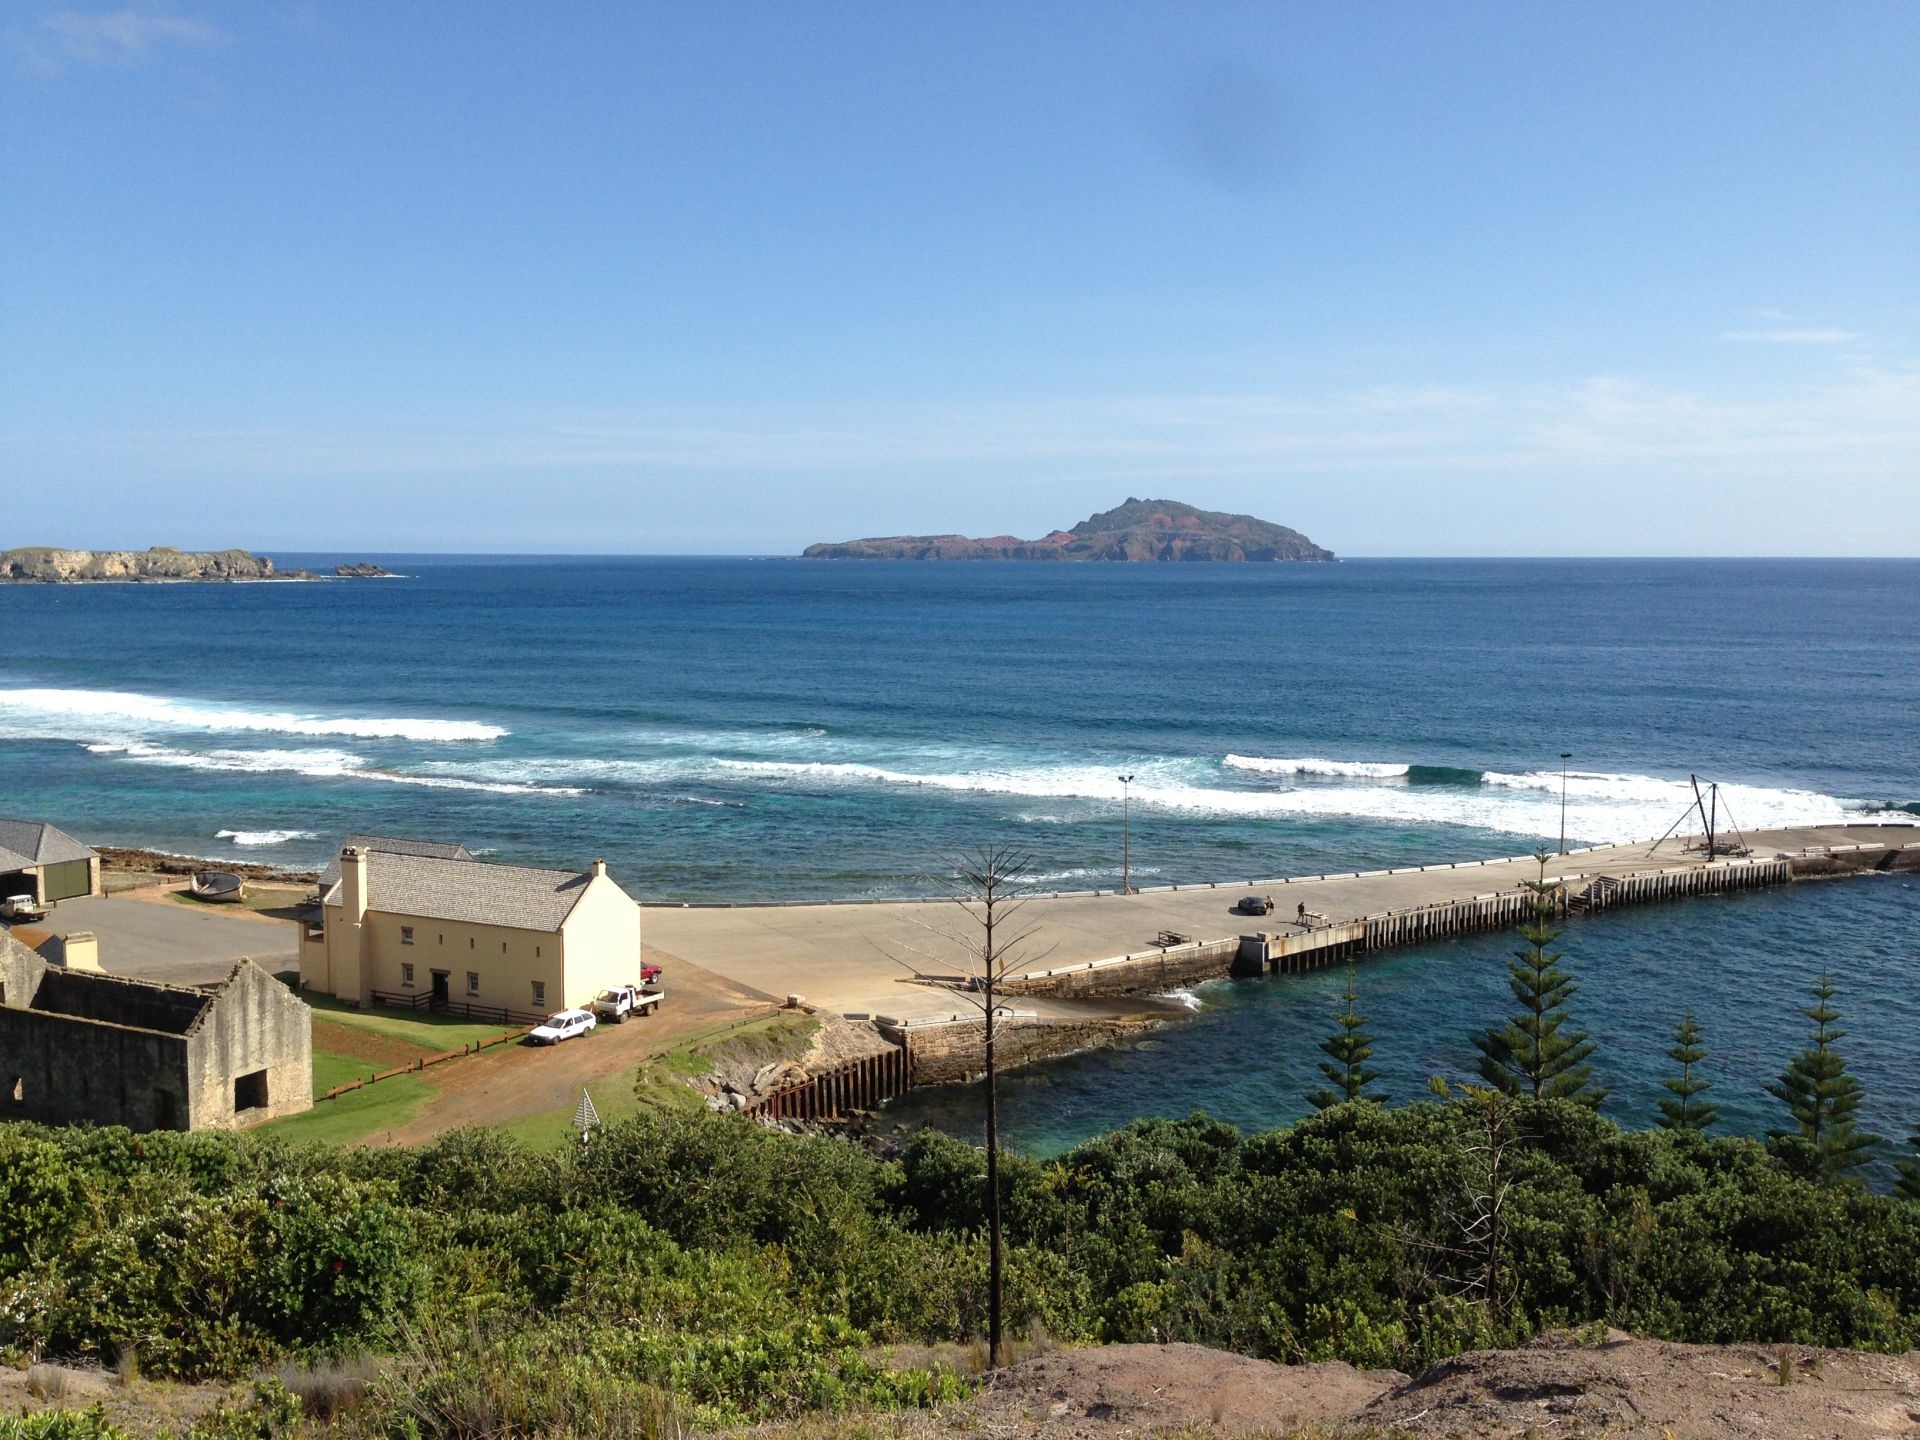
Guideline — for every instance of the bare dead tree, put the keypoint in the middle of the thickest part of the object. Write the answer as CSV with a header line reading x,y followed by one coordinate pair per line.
x,y
990,886
1465,1253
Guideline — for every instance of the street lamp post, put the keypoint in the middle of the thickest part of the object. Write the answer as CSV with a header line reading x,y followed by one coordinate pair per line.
x,y
1565,755
1126,835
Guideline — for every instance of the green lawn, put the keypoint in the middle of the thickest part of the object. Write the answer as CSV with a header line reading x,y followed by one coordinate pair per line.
x,y
360,1113
433,1033
281,901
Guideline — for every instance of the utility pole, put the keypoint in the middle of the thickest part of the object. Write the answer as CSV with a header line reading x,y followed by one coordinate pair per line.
x,y
1126,835
1565,755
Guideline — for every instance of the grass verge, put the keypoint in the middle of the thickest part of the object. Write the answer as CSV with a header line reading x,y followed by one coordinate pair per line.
x,y
432,1033
358,1114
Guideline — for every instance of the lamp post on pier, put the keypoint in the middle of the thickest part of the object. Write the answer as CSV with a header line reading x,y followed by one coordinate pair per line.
x,y
1126,835
1565,755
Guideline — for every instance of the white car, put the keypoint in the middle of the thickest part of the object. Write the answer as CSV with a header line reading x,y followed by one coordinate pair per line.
x,y
563,1025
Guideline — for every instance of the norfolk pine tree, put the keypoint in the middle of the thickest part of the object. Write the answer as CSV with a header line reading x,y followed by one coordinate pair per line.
x,y
1907,1186
1534,1053
1686,1110
1823,1099
1348,1049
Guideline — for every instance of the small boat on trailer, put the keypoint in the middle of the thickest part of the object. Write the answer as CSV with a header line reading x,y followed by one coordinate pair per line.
x,y
219,886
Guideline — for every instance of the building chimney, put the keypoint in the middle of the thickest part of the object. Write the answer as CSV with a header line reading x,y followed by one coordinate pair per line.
x,y
599,868
80,951
353,883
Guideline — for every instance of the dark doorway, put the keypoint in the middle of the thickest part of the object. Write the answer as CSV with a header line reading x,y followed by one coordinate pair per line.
x,y
166,1110
250,1092
440,989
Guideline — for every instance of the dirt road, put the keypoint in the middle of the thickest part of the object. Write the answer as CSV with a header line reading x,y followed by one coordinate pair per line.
x,y
512,1082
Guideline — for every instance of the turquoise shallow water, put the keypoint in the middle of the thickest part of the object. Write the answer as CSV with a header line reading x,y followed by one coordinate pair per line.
x,y
1742,963
786,729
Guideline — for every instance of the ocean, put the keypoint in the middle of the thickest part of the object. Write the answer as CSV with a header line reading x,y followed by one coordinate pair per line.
x,y
752,729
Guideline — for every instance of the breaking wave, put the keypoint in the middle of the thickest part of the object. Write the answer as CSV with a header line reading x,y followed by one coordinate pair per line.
x,y
1353,769
248,839
80,715
1600,808
316,764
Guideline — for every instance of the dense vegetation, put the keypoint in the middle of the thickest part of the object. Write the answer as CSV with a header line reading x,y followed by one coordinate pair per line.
x,y
749,1272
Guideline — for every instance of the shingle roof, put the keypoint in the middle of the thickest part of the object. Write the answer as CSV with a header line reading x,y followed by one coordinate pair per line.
x,y
390,845
34,842
436,888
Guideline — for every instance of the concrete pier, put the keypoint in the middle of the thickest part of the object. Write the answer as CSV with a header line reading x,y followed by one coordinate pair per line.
x,y
847,956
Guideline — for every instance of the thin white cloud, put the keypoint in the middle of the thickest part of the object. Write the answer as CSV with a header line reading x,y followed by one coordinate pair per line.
x,y
1793,335
1866,419
120,37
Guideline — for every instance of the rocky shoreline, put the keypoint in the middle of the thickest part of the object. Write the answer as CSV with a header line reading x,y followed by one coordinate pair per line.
x,y
161,565
127,860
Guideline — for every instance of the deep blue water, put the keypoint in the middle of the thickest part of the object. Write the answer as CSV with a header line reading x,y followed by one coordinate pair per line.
x,y
780,728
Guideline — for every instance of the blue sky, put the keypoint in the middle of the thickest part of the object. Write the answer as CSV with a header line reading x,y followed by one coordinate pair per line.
x,y
729,278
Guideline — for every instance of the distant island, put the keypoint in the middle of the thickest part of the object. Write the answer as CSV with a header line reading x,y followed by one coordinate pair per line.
x,y
1140,530
46,565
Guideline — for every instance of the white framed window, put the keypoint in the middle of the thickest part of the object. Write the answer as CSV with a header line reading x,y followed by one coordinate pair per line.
x,y
406,974
540,994
473,982
406,934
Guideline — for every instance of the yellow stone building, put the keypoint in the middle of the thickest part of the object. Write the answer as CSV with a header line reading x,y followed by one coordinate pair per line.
x,y
425,924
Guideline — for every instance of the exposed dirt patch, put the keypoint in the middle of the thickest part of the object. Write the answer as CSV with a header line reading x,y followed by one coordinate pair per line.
x,y
840,1042
139,1407
1653,1389
380,1051
1624,1389
1135,1389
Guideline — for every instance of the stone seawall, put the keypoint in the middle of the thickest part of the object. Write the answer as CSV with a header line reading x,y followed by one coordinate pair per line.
x,y
1148,972
955,1052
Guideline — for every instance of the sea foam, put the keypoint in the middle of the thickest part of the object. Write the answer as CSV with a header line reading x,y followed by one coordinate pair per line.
x,y
1310,765
82,714
316,764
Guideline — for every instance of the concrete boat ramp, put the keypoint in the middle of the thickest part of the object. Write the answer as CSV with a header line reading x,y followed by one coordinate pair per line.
x,y
1089,947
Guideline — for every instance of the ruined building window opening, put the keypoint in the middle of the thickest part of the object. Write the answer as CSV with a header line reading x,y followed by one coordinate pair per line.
x,y
406,934
539,992
473,982
406,974
536,955
503,947
250,1092
13,1090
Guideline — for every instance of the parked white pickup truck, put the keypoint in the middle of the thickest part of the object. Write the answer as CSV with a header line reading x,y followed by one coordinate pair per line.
x,y
22,907
617,1004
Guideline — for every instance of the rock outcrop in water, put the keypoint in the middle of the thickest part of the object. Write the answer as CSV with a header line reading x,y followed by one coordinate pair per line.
x,y
47,565
1140,530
